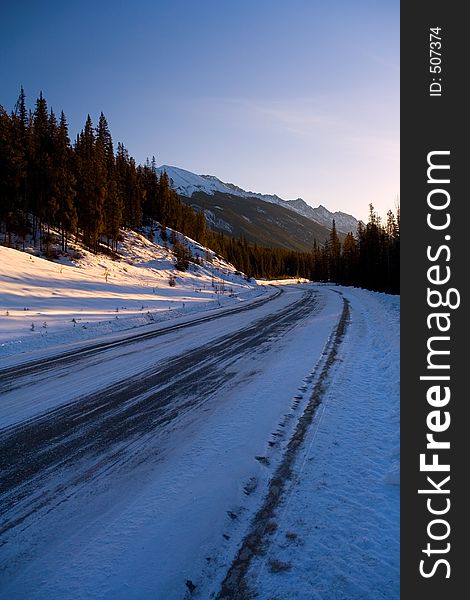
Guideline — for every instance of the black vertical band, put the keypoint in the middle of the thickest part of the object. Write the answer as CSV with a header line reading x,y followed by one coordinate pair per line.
x,y
434,235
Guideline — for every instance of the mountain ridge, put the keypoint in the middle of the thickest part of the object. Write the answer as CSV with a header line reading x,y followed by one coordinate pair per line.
x,y
186,183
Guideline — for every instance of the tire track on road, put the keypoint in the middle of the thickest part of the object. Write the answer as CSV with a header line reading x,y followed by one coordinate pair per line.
x,y
84,438
9,377
234,586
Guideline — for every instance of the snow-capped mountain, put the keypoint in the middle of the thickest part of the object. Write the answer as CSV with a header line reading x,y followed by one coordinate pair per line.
x,y
344,222
187,183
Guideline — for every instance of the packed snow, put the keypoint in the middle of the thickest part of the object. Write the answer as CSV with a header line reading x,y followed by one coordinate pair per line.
x,y
176,519
337,532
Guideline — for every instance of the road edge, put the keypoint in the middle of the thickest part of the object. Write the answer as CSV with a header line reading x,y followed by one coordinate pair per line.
x,y
234,585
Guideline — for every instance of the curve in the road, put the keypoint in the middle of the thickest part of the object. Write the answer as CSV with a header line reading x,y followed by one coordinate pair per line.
x,y
9,375
103,430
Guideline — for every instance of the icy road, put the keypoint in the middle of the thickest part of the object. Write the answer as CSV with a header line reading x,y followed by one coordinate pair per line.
x,y
136,469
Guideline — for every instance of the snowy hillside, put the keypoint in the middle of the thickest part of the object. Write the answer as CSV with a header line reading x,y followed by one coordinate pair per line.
x,y
187,183
82,295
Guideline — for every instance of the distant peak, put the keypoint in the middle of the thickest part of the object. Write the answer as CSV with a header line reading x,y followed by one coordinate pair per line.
x,y
187,183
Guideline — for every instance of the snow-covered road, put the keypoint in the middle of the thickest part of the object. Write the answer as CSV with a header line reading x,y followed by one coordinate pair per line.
x,y
335,533
133,471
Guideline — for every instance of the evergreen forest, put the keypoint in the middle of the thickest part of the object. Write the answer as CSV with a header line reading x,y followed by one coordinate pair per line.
x,y
89,189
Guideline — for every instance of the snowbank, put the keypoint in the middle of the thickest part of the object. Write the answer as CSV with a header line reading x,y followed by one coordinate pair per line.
x,y
337,532
44,303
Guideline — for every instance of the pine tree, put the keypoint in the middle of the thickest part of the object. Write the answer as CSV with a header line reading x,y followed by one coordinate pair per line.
x,y
113,202
7,185
51,202
350,260
91,186
200,228
20,116
40,167
63,182
334,254
21,113
182,254
135,195
164,199
150,182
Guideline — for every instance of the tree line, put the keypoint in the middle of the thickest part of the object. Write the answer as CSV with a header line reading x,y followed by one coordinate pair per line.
x,y
370,258
89,190
85,189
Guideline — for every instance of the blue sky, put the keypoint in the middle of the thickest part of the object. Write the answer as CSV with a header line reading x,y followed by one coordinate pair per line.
x,y
296,98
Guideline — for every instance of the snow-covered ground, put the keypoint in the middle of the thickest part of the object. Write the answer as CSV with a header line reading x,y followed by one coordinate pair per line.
x,y
337,533
165,507
45,304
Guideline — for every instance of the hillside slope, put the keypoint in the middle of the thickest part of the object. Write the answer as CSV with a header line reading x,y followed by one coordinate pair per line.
x,y
259,222
83,295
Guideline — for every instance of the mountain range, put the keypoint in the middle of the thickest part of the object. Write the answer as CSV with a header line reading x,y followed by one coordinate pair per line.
x,y
265,219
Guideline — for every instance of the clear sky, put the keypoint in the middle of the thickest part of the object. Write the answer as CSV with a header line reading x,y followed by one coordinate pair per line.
x,y
297,98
